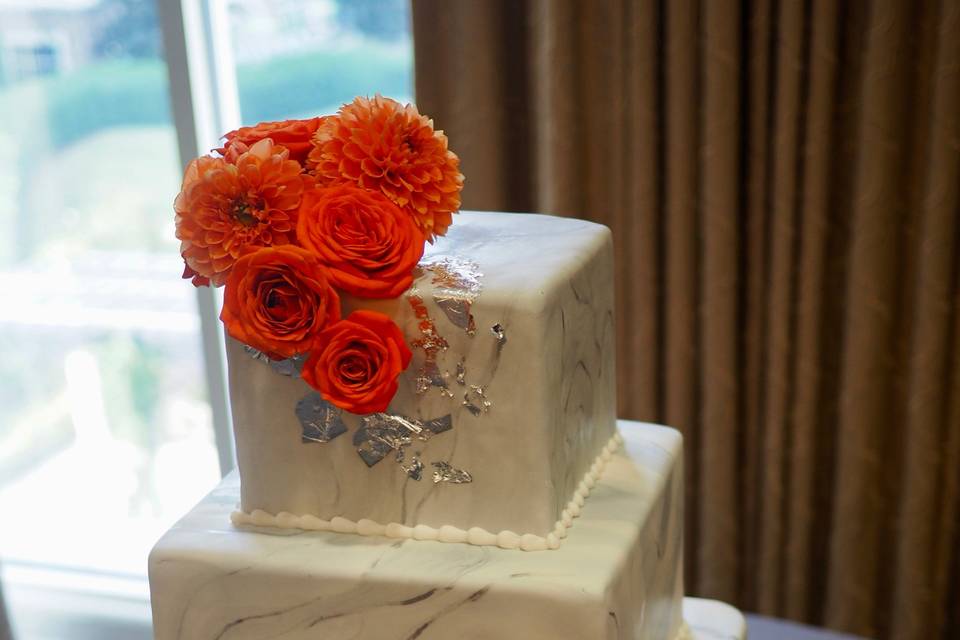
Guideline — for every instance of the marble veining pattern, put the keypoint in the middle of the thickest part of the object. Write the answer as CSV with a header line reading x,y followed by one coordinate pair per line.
x,y
446,533
617,575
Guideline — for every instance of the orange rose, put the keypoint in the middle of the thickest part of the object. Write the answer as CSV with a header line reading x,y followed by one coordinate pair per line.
x,y
293,134
381,145
278,300
368,243
357,366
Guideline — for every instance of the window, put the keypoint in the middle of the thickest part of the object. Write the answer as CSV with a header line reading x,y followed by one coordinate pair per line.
x,y
299,59
104,419
107,428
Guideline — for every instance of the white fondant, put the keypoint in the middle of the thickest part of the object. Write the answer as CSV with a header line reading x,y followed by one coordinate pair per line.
x,y
505,539
617,575
548,282
712,620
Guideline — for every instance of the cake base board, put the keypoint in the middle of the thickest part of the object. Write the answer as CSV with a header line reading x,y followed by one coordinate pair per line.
x,y
617,574
711,619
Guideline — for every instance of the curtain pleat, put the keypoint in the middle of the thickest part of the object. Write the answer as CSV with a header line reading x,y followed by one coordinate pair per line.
x,y
759,60
805,446
842,157
921,554
869,454
639,283
482,93
718,498
682,247
783,184
559,160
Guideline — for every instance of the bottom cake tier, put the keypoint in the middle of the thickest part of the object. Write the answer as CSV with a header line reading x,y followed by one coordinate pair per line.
x,y
617,574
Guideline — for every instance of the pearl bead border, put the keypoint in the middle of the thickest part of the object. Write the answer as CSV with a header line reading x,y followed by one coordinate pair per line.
x,y
475,535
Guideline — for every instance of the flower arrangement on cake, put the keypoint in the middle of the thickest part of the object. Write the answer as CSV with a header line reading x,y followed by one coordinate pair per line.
x,y
288,216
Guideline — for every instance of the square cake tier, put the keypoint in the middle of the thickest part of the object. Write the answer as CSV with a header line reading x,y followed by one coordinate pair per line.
x,y
618,574
507,404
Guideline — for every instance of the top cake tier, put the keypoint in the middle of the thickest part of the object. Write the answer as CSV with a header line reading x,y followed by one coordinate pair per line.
x,y
508,401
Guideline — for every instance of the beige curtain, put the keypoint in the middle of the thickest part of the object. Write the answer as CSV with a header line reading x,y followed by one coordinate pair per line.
x,y
783,182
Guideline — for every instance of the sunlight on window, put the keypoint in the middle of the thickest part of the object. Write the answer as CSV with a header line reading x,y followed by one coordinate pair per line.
x,y
105,428
301,59
105,425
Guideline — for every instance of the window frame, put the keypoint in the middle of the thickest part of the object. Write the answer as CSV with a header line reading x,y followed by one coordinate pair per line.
x,y
204,102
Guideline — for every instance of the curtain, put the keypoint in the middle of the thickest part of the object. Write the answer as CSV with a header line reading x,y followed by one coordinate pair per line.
x,y
783,184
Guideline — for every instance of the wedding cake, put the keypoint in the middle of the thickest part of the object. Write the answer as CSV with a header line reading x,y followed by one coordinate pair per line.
x,y
423,407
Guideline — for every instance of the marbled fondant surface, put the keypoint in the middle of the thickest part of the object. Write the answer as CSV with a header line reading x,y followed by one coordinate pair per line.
x,y
547,283
448,533
617,575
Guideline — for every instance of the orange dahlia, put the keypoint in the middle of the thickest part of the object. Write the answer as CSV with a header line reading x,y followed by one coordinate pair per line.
x,y
295,135
226,209
384,146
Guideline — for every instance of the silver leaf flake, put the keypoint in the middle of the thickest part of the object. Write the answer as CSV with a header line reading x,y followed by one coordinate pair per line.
x,y
256,354
475,400
501,335
461,373
438,425
458,312
445,472
413,470
457,284
381,433
289,367
430,376
320,420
